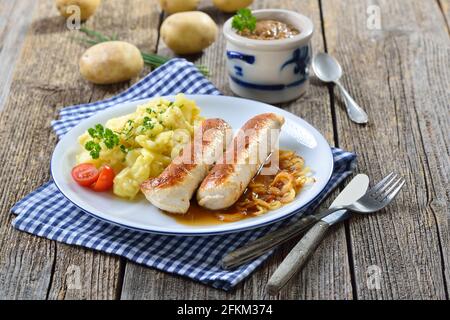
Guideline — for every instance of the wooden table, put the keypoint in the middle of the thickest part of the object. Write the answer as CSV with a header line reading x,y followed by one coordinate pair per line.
x,y
398,71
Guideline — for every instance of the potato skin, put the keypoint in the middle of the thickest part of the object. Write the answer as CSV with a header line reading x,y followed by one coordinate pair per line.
x,y
111,62
173,6
87,7
188,32
231,5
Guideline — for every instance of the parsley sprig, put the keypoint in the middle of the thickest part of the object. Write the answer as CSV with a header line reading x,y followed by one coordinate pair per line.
x,y
93,148
244,20
100,134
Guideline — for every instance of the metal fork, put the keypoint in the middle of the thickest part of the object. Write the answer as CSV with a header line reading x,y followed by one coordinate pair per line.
x,y
373,200
275,238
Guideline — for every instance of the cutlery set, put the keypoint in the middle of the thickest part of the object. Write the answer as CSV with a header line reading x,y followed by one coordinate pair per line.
x,y
354,198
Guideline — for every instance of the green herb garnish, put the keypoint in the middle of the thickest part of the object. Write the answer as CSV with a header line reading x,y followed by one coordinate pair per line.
x,y
129,131
93,148
110,139
100,134
147,123
97,131
244,20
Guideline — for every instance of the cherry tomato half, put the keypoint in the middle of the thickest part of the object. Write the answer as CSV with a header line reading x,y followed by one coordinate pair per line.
x,y
85,174
105,179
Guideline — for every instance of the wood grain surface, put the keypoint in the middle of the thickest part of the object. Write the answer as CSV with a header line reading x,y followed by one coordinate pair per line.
x,y
15,18
398,73
445,8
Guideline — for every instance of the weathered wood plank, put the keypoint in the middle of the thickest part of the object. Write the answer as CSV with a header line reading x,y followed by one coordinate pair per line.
x,y
399,74
47,78
100,273
327,276
15,17
445,8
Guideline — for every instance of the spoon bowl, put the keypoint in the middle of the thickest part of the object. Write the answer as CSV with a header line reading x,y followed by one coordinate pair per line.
x,y
328,69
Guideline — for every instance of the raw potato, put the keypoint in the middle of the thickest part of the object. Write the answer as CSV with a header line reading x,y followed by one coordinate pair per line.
x,y
111,62
231,5
173,6
188,32
87,7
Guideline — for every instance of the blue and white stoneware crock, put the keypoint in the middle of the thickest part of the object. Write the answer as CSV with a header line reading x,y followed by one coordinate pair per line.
x,y
272,71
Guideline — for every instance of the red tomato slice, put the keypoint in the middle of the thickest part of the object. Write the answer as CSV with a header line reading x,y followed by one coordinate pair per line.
x,y
85,174
105,179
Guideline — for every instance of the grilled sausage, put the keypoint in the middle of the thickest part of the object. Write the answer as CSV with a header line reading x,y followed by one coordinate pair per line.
x,y
174,187
226,182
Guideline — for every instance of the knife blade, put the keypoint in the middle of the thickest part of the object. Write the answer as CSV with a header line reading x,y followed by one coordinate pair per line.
x,y
261,166
352,192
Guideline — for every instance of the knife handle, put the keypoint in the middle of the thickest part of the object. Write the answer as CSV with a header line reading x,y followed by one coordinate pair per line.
x,y
297,257
262,245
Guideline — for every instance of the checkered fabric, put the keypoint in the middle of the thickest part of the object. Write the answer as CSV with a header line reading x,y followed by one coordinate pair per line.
x,y
47,213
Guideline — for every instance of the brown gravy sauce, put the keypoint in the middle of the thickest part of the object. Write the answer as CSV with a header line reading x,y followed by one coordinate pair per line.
x,y
199,216
270,30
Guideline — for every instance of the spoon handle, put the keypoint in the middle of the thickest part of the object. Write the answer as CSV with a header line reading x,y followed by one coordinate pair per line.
x,y
354,111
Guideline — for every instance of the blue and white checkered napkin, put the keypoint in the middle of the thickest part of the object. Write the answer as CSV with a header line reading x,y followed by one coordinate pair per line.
x,y
47,213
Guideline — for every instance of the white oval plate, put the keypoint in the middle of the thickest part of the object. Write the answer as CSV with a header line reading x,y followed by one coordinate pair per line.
x,y
296,135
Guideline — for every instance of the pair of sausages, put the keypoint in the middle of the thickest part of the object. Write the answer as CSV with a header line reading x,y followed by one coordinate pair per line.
x,y
221,187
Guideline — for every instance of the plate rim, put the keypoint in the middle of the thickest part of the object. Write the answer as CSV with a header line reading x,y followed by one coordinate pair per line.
x,y
197,232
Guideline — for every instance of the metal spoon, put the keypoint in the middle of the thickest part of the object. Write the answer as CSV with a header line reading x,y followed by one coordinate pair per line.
x,y
328,69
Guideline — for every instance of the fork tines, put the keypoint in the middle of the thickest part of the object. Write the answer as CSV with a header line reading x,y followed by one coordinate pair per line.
x,y
388,187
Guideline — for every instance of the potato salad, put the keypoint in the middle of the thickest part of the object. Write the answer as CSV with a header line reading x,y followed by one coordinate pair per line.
x,y
140,145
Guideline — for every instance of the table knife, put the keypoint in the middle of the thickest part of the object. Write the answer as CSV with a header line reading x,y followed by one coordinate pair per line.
x,y
353,191
308,244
